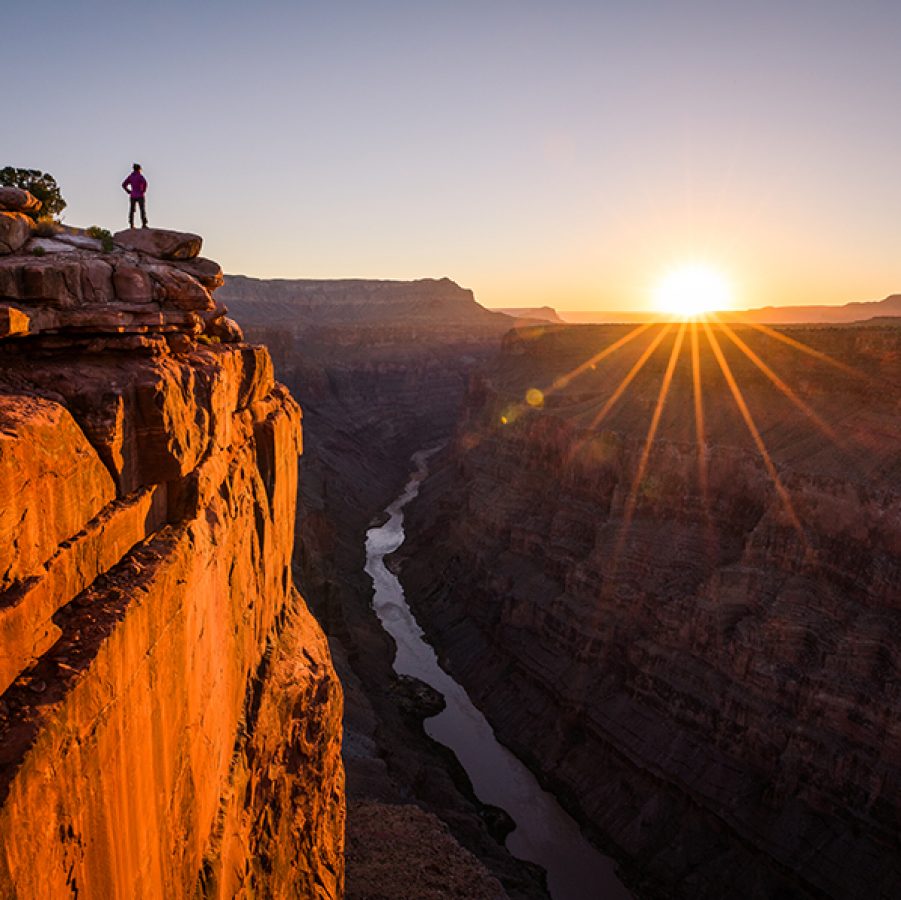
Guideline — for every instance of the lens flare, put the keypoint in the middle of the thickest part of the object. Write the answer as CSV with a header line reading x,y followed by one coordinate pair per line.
x,y
534,397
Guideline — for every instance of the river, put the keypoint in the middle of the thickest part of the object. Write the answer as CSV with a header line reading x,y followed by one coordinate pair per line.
x,y
544,834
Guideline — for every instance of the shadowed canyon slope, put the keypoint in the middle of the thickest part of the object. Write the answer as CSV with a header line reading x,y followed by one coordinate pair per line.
x,y
170,716
697,644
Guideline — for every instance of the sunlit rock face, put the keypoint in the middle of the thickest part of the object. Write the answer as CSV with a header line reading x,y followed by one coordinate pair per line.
x,y
170,716
700,650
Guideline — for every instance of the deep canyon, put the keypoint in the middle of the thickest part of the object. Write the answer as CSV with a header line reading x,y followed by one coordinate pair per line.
x,y
664,562
701,662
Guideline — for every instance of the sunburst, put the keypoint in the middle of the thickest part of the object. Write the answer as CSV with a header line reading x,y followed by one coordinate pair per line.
x,y
703,324
692,290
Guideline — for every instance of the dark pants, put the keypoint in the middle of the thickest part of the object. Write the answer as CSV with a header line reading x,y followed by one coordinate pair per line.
x,y
132,203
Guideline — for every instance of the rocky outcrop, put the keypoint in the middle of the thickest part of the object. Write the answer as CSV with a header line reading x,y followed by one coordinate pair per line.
x,y
65,286
170,717
695,644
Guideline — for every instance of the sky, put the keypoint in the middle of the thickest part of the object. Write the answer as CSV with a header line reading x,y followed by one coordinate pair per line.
x,y
562,153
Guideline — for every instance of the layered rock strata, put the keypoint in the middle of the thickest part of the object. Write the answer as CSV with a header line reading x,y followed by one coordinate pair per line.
x,y
696,643
170,716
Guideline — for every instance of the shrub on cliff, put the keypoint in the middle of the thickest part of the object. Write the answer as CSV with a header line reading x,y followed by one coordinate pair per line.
x,y
102,235
42,184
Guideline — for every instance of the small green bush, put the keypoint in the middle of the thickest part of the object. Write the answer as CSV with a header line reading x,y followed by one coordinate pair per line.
x,y
102,235
38,251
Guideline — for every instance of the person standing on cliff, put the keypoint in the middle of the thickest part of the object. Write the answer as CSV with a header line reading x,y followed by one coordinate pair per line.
x,y
136,187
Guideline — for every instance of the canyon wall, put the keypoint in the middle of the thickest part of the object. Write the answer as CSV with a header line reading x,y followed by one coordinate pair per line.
x,y
666,563
170,719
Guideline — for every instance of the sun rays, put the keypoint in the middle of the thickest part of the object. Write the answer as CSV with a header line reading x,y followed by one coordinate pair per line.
x,y
694,340
652,431
818,420
743,408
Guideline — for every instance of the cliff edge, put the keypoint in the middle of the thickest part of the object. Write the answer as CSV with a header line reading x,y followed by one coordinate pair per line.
x,y
170,716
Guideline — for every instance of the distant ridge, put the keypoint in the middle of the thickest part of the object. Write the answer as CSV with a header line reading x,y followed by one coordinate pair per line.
x,y
541,313
306,302
856,311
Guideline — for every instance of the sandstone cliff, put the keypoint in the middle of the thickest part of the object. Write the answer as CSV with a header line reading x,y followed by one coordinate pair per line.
x,y
170,717
699,648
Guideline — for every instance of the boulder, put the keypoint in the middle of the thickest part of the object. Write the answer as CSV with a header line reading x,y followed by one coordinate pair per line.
x,y
159,242
180,343
177,288
15,230
225,330
18,200
207,272
132,284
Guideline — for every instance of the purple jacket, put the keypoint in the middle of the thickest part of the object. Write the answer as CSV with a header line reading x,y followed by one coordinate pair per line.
x,y
135,185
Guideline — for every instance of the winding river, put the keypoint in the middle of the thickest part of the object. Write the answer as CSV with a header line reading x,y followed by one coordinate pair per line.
x,y
544,834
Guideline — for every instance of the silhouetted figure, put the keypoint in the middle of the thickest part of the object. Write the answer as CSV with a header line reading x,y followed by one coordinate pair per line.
x,y
136,186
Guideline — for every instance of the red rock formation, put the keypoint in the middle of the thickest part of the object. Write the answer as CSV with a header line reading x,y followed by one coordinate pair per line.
x,y
170,717
709,677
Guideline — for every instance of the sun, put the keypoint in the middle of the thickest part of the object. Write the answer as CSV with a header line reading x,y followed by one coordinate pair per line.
x,y
691,290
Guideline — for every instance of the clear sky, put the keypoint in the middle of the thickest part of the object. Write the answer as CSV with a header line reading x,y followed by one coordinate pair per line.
x,y
559,152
